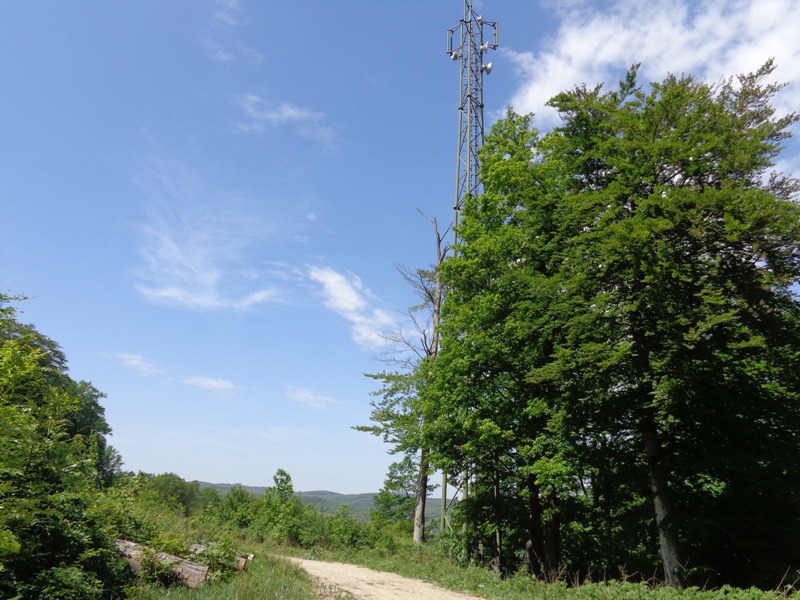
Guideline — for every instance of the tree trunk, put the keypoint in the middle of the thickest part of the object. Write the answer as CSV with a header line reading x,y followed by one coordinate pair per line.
x,y
552,537
534,548
498,536
662,502
658,474
422,495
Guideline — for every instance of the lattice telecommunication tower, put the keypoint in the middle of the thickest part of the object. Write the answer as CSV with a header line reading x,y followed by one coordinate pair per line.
x,y
467,44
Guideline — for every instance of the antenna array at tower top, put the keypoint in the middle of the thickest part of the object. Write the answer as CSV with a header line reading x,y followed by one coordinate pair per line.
x,y
467,44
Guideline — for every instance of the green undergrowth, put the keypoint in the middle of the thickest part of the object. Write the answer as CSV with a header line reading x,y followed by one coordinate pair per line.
x,y
267,577
428,563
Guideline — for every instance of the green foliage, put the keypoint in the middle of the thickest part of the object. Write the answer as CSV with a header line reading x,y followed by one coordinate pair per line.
x,y
54,544
64,583
172,490
267,577
312,528
433,563
394,504
328,502
396,415
622,302
277,514
156,572
392,508
350,533
221,557
234,509
64,497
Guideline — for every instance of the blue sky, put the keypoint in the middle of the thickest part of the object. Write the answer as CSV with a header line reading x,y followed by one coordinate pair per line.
x,y
205,200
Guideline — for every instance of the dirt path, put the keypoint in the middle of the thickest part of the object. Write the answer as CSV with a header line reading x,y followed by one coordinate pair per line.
x,y
366,584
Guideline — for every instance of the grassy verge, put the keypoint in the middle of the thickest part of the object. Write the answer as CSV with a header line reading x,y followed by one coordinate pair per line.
x,y
267,577
427,563
272,577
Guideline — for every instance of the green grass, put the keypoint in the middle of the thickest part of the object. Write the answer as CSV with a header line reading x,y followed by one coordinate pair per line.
x,y
427,563
267,577
270,576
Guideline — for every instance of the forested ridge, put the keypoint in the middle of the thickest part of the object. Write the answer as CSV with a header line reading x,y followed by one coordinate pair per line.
x,y
609,371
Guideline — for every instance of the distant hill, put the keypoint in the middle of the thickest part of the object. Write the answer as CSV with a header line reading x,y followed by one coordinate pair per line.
x,y
224,488
329,502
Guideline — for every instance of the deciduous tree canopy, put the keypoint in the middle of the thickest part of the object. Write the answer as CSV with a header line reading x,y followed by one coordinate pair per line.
x,y
53,460
620,341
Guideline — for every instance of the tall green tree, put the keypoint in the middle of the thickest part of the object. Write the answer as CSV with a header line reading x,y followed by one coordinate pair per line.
x,y
486,412
683,270
398,415
621,324
52,544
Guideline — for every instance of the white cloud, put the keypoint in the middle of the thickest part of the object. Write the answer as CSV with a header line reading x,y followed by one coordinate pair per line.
x,y
196,242
212,384
309,397
710,39
228,13
138,363
346,296
148,368
226,19
217,52
262,116
228,52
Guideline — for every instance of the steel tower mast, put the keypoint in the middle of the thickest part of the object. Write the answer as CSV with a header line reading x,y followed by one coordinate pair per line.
x,y
466,43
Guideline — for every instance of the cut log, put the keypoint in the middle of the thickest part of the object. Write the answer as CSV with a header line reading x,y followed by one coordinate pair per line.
x,y
190,574
242,560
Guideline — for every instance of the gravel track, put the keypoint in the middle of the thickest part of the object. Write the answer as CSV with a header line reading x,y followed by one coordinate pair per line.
x,y
366,584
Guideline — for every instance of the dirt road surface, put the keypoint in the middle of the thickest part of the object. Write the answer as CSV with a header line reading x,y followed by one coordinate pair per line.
x,y
366,584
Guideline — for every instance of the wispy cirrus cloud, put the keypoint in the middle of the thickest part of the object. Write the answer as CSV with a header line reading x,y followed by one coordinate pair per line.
x,y
711,39
211,384
345,295
138,363
222,52
222,42
217,51
196,244
147,368
261,116
309,397
228,12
